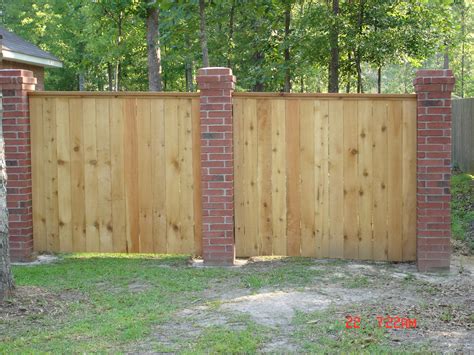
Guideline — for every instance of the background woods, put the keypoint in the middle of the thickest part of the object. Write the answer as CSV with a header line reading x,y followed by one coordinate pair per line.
x,y
272,45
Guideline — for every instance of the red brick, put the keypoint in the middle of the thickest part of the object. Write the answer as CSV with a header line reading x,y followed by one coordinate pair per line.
x,y
15,85
216,86
433,88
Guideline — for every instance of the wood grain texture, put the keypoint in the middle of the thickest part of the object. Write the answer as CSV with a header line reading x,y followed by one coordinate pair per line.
x,y
159,182
336,180
264,183
329,176
364,179
307,166
38,168
64,176
350,180
409,180
100,170
122,174
278,178
380,180
293,177
395,181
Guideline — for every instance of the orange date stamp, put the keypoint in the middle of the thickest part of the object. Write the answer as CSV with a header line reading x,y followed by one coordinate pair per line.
x,y
388,322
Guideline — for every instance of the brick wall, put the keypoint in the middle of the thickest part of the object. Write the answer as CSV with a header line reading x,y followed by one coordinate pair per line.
x,y
433,89
217,164
15,85
38,72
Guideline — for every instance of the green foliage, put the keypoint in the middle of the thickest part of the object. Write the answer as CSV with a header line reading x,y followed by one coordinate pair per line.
x,y
99,40
462,207
221,340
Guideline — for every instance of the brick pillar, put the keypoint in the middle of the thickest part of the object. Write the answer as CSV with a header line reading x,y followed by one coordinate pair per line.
x,y
217,165
433,89
15,85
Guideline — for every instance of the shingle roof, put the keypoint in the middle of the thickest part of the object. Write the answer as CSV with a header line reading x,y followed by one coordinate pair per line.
x,y
14,43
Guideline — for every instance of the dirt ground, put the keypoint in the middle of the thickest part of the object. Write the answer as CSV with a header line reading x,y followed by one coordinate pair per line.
x,y
443,304
296,314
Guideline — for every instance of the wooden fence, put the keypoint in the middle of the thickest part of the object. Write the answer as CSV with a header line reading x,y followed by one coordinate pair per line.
x,y
116,172
325,176
315,175
463,134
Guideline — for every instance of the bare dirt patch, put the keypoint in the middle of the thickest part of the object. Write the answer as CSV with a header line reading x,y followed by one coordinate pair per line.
x,y
31,302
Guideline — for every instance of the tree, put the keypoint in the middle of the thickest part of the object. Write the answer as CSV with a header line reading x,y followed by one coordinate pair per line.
x,y
203,34
271,45
333,81
153,46
287,87
6,278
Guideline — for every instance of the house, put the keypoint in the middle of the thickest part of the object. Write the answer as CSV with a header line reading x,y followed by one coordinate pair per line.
x,y
20,54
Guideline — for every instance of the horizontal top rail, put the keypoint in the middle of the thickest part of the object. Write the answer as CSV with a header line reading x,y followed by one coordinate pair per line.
x,y
332,96
113,94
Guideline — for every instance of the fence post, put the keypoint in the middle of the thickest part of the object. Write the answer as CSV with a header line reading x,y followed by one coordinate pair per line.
x,y
15,84
433,89
217,165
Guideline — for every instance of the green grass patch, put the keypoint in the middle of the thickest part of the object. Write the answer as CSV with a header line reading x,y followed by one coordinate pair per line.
x,y
462,189
357,282
112,300
290,271
223,340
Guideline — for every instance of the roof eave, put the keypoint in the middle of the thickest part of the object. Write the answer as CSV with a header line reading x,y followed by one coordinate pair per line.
x,y
30,59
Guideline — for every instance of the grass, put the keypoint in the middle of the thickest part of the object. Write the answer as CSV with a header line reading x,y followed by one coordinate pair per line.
x,y
221,339
462,189
358,282
140,303
117,300
104,312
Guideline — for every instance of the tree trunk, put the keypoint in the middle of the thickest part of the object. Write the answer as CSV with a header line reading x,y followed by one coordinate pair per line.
x,y
110,76
259,84
189,75
153,47
116,76
359,74
203,35
446,59
231,34
333,77
463,40
358,54
82,80
118,67
287,87
6,277
379,79
349,77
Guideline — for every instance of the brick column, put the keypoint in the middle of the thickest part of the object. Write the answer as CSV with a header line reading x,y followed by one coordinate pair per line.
x,y
433,89
217,165
15,85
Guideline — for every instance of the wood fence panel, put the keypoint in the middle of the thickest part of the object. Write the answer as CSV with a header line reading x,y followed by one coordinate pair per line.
x,y
463,134
341,179
38,163
380,180
116,173
350,180
278,178
364,178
